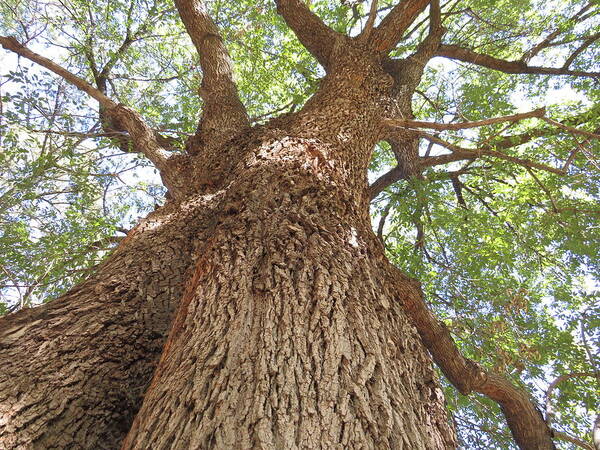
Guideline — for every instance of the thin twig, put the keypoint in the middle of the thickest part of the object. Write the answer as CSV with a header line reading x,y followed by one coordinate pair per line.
x,y
404,123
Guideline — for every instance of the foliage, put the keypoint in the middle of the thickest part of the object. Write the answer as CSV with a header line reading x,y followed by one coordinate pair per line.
x,y
508,256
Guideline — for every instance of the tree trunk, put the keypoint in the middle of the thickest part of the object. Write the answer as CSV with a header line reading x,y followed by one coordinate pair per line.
x,y
288,334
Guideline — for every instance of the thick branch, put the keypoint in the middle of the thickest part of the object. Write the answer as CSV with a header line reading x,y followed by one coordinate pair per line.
x,y
224,114
141,134
317,37
469,56
406,152
524,419
461,153
461,126
366,32
407,72
385,180
440,160
518,139
387,35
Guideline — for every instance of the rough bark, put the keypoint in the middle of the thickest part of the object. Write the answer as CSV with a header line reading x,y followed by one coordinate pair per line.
x,y
287,336
73,371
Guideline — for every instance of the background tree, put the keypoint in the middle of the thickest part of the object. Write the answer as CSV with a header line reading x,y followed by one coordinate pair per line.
x,y
266,205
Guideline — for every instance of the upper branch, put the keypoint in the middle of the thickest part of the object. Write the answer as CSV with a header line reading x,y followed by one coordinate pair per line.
x,y
571,129
409,71
391,29
469,56
224,114
317,37
547,42
118,54
552,386
366,32
102,78
461,126
586,43
10,43
461,153
141,134
491,148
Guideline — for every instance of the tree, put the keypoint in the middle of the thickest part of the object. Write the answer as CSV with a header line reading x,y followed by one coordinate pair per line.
x,y
256,307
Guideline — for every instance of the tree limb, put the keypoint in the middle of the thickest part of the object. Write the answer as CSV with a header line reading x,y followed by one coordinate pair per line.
x,y
547,41
556,382
384,215
461,126
118,54
502,65
524,419
123,117
570,128
406,152
461,153
440,160
10,43
589,41
366,32
101,77
317,37
465,154
393,26
408,71
397,173
224,115
573,440
385,180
